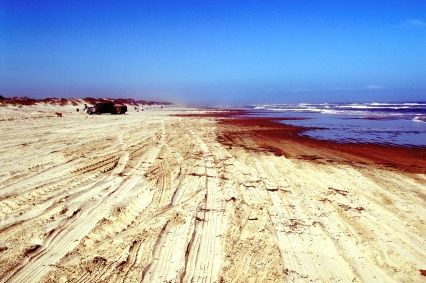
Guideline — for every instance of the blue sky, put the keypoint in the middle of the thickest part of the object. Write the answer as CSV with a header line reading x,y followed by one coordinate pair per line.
x,y
215,51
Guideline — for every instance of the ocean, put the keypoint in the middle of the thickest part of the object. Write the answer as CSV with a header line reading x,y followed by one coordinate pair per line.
x,y
380,123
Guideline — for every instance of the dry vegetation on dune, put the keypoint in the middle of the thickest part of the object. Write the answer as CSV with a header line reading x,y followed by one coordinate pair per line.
x,y
21,101
153,197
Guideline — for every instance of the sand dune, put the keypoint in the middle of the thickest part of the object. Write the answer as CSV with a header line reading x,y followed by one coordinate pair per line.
x,y
152,197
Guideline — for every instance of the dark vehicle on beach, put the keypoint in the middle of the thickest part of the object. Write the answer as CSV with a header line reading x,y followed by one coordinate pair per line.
x,y
120,109
107,107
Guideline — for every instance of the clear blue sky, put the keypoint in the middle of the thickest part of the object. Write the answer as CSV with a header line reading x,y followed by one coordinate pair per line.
x,y
215,51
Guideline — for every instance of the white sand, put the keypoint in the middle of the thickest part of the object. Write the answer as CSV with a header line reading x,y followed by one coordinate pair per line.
x,y
152,197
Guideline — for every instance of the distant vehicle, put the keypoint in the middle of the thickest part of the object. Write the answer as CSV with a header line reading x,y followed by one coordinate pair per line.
x,y
120,109
107,107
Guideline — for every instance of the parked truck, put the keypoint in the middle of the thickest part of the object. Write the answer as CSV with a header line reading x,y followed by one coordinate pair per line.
x,y
107,107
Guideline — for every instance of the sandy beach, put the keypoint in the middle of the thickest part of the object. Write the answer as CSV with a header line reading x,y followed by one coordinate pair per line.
x,y
162,196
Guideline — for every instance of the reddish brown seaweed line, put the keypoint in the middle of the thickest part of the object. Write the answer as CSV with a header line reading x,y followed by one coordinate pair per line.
x,y
211,113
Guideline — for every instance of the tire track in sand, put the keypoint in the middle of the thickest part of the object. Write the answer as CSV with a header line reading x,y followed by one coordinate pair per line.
x,y
59,244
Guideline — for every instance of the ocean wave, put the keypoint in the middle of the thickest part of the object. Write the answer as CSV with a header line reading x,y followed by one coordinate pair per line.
x,y
374,107
415,104
335,112
295,109
419,119
415,111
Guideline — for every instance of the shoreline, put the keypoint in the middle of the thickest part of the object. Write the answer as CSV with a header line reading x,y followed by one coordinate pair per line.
x,y
240,128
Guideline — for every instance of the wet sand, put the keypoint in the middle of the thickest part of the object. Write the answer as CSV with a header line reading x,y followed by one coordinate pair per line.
x,y
155,197
239,128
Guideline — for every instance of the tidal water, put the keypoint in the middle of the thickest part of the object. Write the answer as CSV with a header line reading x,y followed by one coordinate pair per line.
x,y
380,123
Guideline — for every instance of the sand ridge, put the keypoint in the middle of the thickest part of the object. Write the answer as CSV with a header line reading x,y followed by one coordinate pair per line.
x,y
152,197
